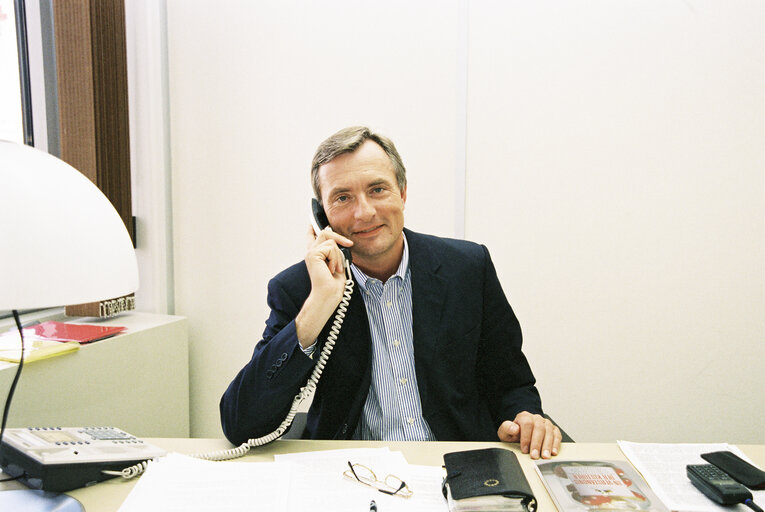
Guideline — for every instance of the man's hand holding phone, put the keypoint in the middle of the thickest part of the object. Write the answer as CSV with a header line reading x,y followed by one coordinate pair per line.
x,y
326,268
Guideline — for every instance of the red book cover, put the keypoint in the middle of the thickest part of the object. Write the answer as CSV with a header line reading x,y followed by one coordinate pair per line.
x,y
576,485
82,333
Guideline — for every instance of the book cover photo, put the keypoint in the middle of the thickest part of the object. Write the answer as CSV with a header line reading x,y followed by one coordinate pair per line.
x,y
577,485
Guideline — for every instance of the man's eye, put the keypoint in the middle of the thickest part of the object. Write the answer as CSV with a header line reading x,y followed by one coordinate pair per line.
x,y
377,190
341,199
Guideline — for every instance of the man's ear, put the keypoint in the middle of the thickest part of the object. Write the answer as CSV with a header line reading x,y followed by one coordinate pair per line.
x,y
403,194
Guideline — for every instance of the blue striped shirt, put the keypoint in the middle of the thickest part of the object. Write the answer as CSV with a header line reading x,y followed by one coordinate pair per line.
x,y
393,410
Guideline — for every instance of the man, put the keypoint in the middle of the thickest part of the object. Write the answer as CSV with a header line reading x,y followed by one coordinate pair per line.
x,y
429,348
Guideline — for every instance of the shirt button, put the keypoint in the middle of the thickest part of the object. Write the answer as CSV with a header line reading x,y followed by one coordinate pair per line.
x,y
396,343
410,421
389,304
402,380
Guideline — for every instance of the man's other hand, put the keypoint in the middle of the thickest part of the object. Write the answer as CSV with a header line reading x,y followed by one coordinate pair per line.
x,y
536,434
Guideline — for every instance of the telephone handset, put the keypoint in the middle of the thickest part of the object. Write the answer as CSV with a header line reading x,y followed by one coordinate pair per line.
x,y
319,221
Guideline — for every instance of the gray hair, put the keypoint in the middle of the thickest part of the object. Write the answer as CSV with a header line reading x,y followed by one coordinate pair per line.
x,y
348,140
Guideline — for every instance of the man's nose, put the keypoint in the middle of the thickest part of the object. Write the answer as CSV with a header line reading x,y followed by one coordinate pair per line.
x,y
364,209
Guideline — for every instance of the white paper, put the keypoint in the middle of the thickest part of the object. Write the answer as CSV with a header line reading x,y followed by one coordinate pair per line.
x,y
318,483
294,482
663,467
177,483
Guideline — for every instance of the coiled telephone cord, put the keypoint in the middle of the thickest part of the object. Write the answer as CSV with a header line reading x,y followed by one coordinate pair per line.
x,y
305,392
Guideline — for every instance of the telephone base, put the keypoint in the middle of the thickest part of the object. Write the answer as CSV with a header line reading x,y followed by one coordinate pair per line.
x,y
56,477
62,459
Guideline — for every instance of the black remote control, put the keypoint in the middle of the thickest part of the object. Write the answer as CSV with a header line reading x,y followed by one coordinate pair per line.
x,y
739,469
716,484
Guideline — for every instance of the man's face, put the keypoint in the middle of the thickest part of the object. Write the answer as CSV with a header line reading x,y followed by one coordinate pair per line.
x,y
363,202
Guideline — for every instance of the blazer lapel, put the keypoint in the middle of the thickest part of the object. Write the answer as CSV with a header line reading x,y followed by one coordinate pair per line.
x,y
428,297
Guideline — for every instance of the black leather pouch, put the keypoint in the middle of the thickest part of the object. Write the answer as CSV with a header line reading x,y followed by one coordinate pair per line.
x,y
739,469
490,472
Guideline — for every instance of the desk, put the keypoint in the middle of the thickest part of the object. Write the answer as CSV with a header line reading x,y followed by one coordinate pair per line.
x,y
108,496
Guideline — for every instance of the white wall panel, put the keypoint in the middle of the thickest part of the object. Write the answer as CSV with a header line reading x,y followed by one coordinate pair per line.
x,y
254,88
615,169
613,159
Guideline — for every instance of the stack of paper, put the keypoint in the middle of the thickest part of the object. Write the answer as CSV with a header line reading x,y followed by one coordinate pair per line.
x,y
296,482
34,350
318,477
663,467
177,483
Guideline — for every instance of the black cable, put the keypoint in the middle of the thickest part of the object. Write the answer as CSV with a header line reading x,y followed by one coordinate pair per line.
x,y
12,389
749,503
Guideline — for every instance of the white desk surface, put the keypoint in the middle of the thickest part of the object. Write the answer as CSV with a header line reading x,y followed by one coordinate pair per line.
x,y
109,495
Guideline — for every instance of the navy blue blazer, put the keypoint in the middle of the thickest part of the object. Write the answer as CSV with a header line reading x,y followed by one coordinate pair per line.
x,y
471,372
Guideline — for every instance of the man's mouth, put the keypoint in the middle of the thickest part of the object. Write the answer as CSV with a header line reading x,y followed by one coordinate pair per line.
x,y
368,232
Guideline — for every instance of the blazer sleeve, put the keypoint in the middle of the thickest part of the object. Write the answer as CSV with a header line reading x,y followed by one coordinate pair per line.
x,y
260,396
506,376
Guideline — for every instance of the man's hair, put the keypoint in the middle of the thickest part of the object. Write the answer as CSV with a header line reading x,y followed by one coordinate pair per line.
x,y
348,140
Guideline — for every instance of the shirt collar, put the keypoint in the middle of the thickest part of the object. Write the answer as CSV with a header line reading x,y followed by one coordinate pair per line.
x,y
403,267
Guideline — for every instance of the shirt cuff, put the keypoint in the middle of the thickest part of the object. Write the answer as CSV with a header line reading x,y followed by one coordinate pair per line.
x,y
309,350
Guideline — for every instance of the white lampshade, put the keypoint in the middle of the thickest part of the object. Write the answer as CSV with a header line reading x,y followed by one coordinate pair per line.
x,y
61,240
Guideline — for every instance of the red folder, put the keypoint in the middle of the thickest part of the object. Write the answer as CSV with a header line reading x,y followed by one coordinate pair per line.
x,y
82,333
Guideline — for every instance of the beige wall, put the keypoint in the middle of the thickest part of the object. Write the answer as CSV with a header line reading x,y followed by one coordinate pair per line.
x,y
625,145
610,154
254,88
